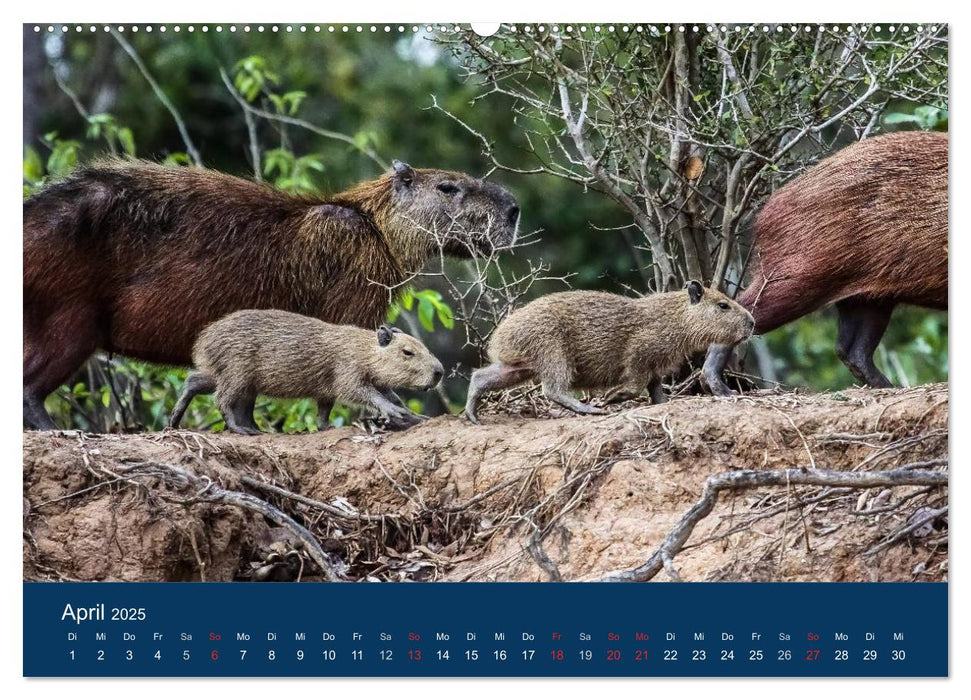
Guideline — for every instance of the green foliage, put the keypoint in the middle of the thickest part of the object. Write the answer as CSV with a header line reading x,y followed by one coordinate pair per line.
x,y
290,173
914,350
926,117
252,77
105,126
429,307
64,154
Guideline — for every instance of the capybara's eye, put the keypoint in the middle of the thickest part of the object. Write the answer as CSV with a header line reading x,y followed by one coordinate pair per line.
x,y
723,305
407,353
448,188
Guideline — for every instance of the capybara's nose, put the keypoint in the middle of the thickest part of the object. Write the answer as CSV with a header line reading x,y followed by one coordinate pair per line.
x,y
437,375
512,215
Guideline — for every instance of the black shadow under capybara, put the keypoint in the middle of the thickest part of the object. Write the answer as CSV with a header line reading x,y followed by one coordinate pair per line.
x,y
597,340
286,355
135,258
865,229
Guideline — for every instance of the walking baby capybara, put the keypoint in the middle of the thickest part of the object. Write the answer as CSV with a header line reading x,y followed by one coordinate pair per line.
x,y
865,229
597,340
286,355
136,259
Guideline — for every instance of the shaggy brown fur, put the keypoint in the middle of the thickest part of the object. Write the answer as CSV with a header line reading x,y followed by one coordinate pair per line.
x,y
276,353
596,340
137,259
865,229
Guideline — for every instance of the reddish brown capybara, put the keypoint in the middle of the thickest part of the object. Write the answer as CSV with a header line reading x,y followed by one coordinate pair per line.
x,y
135,258
865,229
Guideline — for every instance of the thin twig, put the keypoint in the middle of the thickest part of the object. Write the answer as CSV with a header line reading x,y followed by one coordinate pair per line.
x,y
162,97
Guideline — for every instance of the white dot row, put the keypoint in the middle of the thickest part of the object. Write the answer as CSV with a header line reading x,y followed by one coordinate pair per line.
x,y
528,29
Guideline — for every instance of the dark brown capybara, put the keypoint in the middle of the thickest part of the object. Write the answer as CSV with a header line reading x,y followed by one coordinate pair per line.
x,y
865,229
286,355
135,258
597,340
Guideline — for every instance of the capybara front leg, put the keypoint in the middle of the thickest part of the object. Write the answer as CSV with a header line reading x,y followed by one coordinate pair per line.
x,y
196,383
619,394
324,407
715,362
492,378
392,397
567,400
861,327
398,417
656,392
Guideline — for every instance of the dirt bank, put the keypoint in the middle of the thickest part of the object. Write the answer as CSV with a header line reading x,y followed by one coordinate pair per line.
x,y
520,497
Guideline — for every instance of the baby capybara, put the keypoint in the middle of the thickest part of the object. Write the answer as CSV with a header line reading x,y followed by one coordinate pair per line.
x,y
596,340
286,355
865,229
136,259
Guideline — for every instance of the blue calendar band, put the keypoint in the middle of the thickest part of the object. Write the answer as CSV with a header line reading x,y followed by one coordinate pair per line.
x,y
480,629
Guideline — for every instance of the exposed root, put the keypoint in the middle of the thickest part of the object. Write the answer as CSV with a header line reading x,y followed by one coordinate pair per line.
x,y
548,497
747,479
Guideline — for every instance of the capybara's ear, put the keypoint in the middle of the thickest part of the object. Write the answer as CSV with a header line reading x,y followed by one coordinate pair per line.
x,y
385,335
695,290
403,173
395,329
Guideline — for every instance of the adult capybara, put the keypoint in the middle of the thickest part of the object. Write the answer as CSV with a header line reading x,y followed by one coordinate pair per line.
x,y
286,355
865,229
596,340
137,259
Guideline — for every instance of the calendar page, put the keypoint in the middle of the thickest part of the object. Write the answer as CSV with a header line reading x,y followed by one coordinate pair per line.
x,y
547,349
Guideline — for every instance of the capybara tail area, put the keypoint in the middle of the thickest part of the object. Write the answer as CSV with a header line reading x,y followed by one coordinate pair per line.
x,y
776,302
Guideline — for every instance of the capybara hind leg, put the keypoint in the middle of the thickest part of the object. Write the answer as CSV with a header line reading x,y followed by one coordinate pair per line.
x,y
35,415
567,400
237,410
861,327
492,378
52,353
196,383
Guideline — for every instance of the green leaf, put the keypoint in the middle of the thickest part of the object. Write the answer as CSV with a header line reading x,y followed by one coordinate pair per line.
x,y
63,158
408,298
278,102
176,159
446,317
294,98
899,118
33,166
127,140
426,314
